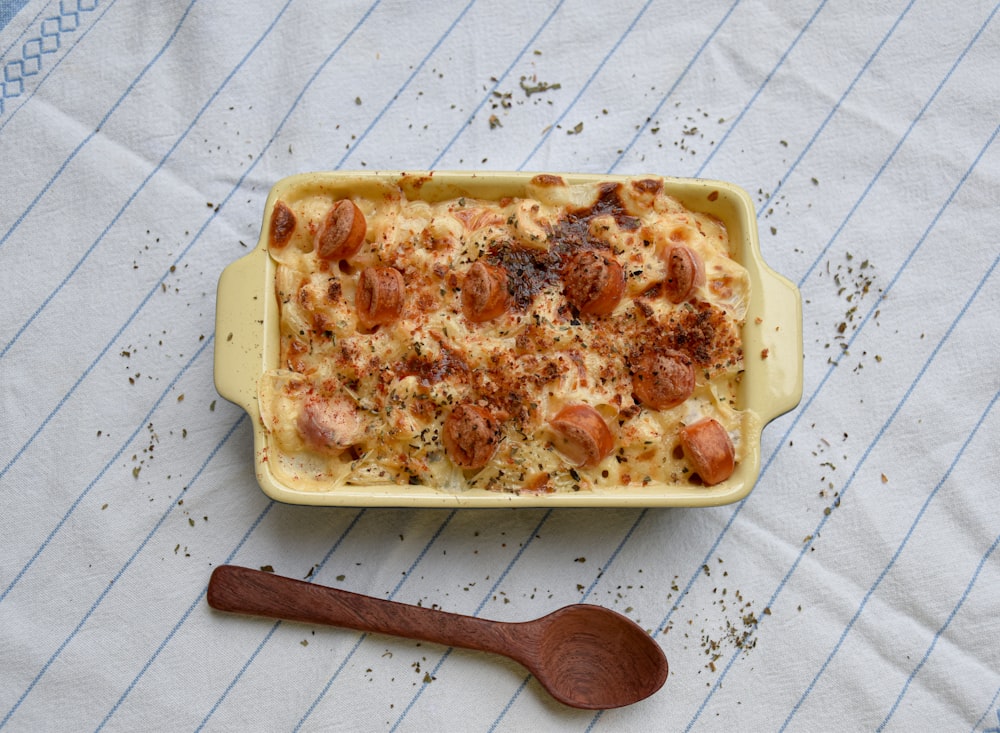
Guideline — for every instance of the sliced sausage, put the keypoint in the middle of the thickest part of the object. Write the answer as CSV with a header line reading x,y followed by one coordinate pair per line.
x,y
582,434
380,296
663,379
282,225
685,273
593,282
484,292
470,436
329,425
342,231
708,450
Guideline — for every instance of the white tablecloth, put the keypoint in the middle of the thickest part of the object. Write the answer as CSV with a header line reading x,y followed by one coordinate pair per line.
x,y
856,588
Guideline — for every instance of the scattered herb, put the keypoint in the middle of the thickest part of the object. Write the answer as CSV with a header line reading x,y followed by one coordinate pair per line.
x,y
537,87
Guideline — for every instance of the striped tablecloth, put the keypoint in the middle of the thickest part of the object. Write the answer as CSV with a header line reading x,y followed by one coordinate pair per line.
x,y
856,588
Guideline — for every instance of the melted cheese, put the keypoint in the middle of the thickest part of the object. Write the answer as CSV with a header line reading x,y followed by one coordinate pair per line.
x,y
402,379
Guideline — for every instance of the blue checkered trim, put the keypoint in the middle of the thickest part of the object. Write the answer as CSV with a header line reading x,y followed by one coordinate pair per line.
x,y
8,9
45,40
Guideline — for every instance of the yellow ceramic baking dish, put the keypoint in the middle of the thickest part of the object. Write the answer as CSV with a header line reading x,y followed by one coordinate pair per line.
x,y
247,342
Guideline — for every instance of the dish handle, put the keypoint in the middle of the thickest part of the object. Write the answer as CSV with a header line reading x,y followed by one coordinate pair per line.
x,y
241,309
777,343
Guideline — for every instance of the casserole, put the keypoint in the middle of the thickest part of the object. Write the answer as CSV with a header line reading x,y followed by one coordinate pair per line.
x,y
250,350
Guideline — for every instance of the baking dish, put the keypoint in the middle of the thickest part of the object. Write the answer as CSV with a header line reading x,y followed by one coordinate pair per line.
x,y
247,342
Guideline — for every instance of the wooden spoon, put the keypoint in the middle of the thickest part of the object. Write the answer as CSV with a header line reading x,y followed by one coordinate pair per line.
x,y
586,656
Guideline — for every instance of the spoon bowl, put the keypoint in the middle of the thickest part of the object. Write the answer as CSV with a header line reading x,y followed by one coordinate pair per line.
x,y
592,657
585,656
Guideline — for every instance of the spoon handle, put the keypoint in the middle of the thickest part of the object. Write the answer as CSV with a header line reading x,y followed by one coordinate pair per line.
x,y
256,593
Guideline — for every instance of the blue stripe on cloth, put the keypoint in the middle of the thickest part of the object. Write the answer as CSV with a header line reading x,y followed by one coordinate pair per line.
x,y
496,83
990,708
423,62
118,454
760,89
184,617
833,110
486,597
107,588
318,567
246,665
899,144
405,576
149,295
583,598
940,631
155,405
892,561
656,111
611,52
336,674
128,441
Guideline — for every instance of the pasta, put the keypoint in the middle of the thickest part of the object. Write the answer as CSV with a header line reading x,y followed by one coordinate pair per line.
x,y
577,336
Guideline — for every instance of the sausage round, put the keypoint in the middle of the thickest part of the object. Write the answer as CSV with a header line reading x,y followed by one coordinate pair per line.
x,y
484,292
342,231
663,379
708,450
329,425
582,434
470,435
685,273
593,282
380,296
